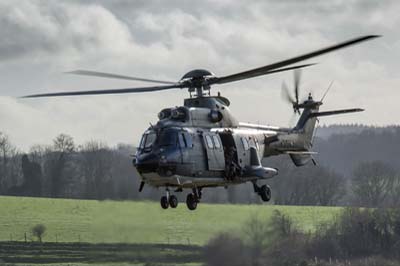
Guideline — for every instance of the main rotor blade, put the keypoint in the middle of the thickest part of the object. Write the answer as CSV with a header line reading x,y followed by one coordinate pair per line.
x,y
115,76
111,91
266,69
290,68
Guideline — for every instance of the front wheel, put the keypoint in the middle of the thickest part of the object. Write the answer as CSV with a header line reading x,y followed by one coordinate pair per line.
x,y
164,202
173,201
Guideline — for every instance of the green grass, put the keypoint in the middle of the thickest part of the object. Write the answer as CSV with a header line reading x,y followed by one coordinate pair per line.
x,y
137,222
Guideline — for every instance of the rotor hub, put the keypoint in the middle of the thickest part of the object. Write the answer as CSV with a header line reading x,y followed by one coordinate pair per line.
x,y
197,81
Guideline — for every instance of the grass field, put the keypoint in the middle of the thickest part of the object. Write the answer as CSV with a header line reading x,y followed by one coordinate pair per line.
x,y
80,254
93,221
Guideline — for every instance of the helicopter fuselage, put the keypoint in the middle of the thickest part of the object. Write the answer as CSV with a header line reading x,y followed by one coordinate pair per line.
x,y
202,145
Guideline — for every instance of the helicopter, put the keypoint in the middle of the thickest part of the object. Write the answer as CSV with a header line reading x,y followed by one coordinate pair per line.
x,y
202,145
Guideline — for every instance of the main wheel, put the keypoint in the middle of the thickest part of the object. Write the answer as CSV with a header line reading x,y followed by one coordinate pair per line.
x,y
191,202
164,202
265,193
173,201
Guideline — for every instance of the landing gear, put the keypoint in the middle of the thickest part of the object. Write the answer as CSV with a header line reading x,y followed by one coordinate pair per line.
x,y
193,199
164,202
168,201
191,202
264,192
173,201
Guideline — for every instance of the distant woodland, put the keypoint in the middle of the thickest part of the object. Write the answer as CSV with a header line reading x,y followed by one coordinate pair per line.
x,y
356,165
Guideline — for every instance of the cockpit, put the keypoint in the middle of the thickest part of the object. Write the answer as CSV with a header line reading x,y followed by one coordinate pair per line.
x,y
168,137
160,150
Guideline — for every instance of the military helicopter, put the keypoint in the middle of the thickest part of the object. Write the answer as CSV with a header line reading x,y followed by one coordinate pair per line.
x,y
201,144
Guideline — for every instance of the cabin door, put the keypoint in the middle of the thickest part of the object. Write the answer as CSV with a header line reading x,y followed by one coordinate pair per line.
x,y
215,152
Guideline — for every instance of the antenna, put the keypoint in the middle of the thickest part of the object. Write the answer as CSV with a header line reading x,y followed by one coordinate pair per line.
x,y
327,90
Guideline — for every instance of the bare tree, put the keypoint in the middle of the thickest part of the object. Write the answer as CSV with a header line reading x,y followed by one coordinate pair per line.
x,y
63,146
10,170
96,164
373,182
308,185
38,231
5,147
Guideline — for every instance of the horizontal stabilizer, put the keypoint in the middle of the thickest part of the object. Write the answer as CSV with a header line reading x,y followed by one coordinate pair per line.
x,y
301,159
336,112
301,152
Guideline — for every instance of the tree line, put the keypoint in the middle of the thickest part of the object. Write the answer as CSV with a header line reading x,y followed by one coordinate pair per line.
x,y
93,170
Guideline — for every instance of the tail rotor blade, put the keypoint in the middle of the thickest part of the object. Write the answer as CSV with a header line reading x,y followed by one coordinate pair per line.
x,y
286,94
297,78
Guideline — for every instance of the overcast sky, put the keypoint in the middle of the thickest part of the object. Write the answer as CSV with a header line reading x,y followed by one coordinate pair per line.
x,y
165,39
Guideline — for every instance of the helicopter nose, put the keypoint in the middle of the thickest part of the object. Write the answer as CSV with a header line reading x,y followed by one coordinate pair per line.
x,y
147,162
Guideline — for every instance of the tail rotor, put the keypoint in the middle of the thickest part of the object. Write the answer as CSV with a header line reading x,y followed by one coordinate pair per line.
x,y
288,96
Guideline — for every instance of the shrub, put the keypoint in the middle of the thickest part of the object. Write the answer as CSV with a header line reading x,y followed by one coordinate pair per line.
x,y
226,249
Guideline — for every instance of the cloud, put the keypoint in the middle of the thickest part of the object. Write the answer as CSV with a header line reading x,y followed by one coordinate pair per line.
x,y
164,40
34,29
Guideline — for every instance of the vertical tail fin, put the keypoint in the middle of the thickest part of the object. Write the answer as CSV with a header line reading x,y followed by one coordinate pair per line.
x,y
306,123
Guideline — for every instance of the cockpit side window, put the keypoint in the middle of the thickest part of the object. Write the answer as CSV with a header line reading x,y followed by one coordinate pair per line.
x,y
142,141
150,139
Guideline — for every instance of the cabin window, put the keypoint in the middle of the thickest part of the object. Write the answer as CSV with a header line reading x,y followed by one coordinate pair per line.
x,y
209,142
245,143
182,140
188,138
216,142
257,144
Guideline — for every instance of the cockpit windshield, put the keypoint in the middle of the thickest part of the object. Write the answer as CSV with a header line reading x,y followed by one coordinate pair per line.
x,y
168,137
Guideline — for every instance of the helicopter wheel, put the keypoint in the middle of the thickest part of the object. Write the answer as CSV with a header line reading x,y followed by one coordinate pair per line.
x,y
164,202
191,201
265,193
173,201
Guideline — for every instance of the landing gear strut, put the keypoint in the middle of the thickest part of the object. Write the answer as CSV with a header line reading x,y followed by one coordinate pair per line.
x,y
168,201
193,199
264,192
